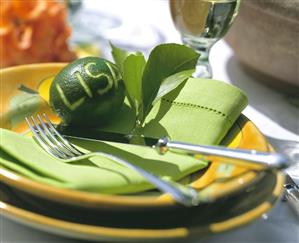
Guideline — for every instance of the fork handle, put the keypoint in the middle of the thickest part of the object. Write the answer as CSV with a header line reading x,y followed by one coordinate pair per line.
x,y
182,194
243,157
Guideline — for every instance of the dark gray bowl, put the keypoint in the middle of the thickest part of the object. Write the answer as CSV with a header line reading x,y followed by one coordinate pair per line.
x,y
265,38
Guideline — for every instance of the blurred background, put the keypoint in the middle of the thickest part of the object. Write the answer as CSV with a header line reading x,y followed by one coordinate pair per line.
x,y
264,37
259,53
37,31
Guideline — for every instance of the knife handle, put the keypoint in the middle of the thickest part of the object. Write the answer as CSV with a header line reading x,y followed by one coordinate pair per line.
x,y
248,158
292,196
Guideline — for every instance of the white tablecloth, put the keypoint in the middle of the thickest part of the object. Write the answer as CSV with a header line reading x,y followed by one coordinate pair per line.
x,y
268,109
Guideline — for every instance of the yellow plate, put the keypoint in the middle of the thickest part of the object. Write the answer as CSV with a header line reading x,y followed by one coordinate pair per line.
x,y
218,181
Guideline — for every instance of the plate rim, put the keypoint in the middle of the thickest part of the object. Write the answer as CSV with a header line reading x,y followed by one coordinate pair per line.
x,y
92,232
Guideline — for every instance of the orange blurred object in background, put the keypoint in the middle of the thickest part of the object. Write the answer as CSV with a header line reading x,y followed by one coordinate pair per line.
x,y
34,31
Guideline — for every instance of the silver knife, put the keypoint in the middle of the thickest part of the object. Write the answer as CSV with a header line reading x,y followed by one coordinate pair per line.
x,y
291,188
242,157
292,194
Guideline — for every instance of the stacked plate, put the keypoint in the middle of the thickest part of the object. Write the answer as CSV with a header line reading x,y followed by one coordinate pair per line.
x,y
235,196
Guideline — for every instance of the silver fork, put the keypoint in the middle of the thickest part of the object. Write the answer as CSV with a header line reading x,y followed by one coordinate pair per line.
x,y
56,145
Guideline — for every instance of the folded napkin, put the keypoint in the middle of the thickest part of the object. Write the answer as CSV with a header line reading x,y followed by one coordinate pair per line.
x,y
202,112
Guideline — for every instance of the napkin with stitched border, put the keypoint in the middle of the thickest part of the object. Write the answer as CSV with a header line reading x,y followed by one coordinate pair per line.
x,y
201,111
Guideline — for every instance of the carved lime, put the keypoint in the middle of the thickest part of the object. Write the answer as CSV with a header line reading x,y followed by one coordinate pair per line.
x,y
88,91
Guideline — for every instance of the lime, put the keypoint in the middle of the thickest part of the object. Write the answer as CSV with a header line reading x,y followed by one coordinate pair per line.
x,y
88,91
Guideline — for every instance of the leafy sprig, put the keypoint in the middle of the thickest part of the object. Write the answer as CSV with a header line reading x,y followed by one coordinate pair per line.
x,y
147,81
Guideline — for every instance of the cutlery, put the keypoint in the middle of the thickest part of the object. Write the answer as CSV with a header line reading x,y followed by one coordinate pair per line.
x,y
56,145
249,158
292,194
291,188
288,154
287,147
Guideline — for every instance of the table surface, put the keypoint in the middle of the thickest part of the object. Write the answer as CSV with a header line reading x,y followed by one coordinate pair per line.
x,y
268,109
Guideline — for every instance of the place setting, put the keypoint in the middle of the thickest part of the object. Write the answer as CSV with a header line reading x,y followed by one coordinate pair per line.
x,y
144,146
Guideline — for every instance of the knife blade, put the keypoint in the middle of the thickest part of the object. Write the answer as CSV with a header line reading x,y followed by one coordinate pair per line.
x,y
292,194
94,134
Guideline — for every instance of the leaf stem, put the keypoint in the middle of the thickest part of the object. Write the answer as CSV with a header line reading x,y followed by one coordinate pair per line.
x,y
136,136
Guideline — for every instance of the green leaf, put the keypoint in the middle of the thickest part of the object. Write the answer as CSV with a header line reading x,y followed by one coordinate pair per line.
x,y
164,61
119,56
172,82
133,67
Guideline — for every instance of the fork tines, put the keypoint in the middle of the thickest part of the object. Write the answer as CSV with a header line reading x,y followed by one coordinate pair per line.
x,y
50,139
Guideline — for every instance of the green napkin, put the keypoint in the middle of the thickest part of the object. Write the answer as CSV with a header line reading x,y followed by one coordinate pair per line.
x,y
202,112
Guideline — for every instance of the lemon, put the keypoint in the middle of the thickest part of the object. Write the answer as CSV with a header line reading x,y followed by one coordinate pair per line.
x,y
88,91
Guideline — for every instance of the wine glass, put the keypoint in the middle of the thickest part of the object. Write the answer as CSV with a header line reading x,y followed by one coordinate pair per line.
x,y
201,24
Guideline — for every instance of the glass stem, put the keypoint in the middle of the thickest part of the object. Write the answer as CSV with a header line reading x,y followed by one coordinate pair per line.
x,y
203,67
